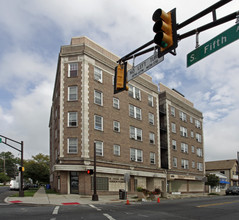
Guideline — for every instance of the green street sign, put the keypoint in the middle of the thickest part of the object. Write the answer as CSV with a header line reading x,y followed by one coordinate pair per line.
x,y
0,140
218,42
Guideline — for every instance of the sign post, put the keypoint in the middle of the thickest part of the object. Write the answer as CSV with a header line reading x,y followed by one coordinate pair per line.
x,y
218,42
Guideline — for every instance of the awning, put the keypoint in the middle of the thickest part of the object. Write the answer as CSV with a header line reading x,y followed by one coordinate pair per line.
x,y
224,182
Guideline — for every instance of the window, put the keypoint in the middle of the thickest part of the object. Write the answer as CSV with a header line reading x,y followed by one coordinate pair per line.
x,y
193,149
134,92
199,166
151,118
192,134
173,127
198,138
136,155
152,157
72,69
197,123
116,126
72,145
183,131
102,183
172,111
199,152
72,93
150,101
116,103
135,112
193,164
184,148
98,98
98,74
175,162
99,148
184,164
151,138
98,122
183,116
116,150
72,119
135,133
174,145
191,119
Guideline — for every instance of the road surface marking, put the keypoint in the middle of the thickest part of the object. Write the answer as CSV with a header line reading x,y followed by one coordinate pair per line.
x,y
55,211
108,216
92,206
215,204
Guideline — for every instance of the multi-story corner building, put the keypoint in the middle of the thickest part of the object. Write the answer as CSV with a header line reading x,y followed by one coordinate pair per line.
x,y
149,136
85,112
181,138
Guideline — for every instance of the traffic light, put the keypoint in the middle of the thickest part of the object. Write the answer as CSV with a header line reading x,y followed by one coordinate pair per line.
x,y
165,28
120,80
90,171
21,169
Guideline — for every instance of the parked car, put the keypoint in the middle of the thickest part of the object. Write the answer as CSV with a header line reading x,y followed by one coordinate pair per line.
x,y
14,185
232,190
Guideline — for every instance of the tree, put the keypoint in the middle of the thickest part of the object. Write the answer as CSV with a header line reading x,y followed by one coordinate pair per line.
x,y
38,168
212,180
4,178
8,164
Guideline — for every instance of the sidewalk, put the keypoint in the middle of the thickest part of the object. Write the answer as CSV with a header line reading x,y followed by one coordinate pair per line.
x,y
40,197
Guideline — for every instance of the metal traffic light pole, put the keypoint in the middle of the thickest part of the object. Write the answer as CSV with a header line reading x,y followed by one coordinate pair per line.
x,y
21,192
95,196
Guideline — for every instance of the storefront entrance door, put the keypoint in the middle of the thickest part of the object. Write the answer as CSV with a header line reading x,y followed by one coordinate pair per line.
x,y
74,183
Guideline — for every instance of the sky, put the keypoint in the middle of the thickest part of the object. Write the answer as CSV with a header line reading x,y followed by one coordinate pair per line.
x,y
32,32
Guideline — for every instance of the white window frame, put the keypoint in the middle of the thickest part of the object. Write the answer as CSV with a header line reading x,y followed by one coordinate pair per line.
x,y
183,131
96,122
193,164
175,162
72,91
116,103
151,118
99,148
116,150
184,164
98,76
134,92
193,149
173,126
183,116
136,133
150,100
136,155
184,148
151,138
199,152
174,145
98,98
116,126
72,145
135,112
192,134
152,157
72,119
72,67
197,123
199,166
191,119
198,137
172,111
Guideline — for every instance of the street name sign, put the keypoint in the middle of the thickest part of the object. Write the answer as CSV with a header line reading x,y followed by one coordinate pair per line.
x,y
144,66
218,42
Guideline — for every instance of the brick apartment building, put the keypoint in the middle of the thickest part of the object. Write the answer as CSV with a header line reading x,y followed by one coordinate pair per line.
x,y
125,128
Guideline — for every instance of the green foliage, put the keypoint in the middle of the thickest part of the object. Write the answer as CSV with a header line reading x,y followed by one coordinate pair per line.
x,y
8,161
4,178
212,180
38,168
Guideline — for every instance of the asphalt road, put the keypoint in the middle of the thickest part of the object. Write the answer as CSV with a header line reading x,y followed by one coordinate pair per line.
x,y
5,192
221,207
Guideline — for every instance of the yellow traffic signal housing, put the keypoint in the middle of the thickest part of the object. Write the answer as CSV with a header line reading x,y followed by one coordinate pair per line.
x,y
120,80
165,29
